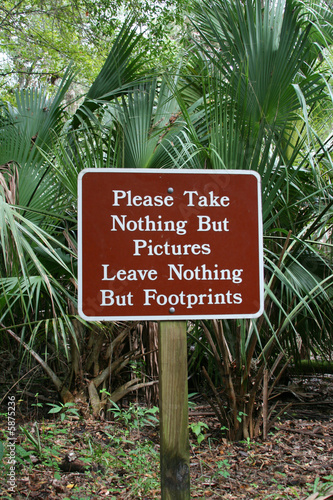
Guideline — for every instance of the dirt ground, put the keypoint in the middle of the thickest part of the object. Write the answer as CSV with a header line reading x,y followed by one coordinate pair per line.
x,y
117,461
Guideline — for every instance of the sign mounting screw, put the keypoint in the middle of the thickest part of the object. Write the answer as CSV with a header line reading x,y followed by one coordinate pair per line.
x,y
170,190
172,310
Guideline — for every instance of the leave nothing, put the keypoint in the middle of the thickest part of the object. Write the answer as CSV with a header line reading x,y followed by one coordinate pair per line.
x,y
175,271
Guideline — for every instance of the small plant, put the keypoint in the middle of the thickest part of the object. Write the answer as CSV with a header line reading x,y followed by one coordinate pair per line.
x,y
322,486
198,430
118,440
145,416
223,466
37,404
34,438
135,416
22,455
64,409
142,477
137,367
42,443
240,415
191,404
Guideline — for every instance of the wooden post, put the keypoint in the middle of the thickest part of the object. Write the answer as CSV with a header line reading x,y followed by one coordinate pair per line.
x,y
173,395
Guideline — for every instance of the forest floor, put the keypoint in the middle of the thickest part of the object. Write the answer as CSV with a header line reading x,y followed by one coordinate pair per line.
x,y
66,456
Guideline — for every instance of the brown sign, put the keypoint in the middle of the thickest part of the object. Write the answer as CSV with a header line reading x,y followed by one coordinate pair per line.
x,y
169,244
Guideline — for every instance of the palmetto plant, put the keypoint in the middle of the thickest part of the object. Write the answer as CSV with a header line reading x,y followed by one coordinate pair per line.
x,y
262,84
244,98
36,260
42,150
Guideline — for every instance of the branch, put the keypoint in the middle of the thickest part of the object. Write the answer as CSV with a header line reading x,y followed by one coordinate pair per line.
x,y
40,73
63,391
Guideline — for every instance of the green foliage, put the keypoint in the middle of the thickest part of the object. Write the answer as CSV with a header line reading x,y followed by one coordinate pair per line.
x,y
253,85
134,465
223,466
322,486
65,410
135,416
38,38
247,96
23,455
321,489
198,429
34,439
143,480
40,442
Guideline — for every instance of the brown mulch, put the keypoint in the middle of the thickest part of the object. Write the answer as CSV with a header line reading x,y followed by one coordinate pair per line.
x,y
291,459
294,462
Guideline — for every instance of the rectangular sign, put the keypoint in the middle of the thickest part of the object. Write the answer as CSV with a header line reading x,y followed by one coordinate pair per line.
x,y
169,244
